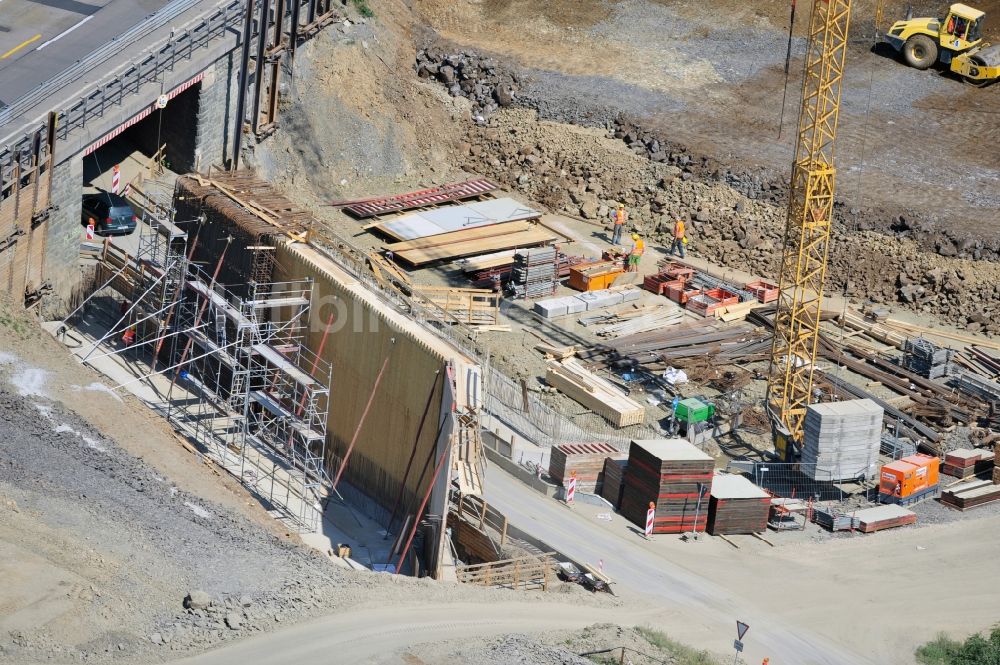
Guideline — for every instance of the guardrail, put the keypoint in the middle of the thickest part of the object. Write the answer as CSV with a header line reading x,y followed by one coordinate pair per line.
x,y
95,58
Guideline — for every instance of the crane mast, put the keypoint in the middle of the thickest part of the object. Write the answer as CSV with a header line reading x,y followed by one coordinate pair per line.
x,y
807,229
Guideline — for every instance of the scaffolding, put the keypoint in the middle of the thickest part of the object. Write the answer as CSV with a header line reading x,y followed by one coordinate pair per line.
x,y
242,383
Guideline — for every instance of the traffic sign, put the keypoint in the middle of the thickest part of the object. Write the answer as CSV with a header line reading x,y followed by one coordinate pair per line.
x,y
741,629
90,231
738,646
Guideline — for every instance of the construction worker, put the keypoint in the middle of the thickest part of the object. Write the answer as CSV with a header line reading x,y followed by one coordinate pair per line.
x,y
618,219
679,232
635,255
129,337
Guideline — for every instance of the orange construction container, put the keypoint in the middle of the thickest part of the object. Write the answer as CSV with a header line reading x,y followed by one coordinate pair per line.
x,y
908,479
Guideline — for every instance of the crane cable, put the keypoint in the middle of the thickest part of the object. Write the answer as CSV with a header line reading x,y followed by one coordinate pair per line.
x,y
788,58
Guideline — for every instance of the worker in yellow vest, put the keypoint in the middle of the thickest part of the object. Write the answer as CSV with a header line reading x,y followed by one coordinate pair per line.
x,y
618,219
679,239
634,256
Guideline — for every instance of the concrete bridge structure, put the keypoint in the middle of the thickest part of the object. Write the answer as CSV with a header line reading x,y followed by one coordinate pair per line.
x,y
76,76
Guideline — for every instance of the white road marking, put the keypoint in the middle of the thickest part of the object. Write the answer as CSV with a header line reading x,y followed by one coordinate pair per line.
x,y
65,32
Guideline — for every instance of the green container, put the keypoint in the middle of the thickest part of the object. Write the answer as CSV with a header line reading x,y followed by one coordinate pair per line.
x,y
693,410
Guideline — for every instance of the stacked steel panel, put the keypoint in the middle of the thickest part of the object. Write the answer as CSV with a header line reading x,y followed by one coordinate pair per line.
x,y
842,440
673,475
586,459
614,472
535,272
924,357
737,506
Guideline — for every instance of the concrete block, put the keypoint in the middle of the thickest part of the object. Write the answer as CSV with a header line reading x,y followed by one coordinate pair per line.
x,y
551,308
574,305
631,295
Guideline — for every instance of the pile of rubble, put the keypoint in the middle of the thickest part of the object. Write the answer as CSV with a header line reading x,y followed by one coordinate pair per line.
x,y
469,75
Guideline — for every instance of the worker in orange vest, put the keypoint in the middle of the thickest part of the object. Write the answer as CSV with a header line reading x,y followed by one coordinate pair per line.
x,y
634,256
129,337
679,232
618,218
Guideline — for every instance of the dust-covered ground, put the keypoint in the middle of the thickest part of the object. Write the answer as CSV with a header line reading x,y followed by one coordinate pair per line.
x,y
108,523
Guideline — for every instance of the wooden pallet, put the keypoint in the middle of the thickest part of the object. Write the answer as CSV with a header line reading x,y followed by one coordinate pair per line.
x,y
470,306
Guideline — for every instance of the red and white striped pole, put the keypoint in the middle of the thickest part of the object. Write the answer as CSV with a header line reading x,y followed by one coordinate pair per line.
x,y
571,489
650,516
116,179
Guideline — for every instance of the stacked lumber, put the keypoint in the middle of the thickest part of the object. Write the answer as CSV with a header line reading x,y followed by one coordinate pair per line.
x,y
674,476
970,494
736,505
597,394
586,460
471,242
842,440
871,520
961,463
614,475
636,321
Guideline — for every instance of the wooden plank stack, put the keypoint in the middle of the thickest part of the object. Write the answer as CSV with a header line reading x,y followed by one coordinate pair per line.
x,y
871,520
970,494
842,440
586,459
597,394
668,473
737,506
471,242
614,475
961,463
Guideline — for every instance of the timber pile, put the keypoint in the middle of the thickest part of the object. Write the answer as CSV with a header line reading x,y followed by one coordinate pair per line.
x,y
961,463
674,476
586,459
471,242
614,473
737,506
597,394
970,494
888,516
634,321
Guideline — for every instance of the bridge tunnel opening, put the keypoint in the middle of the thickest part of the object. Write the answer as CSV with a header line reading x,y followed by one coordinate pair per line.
x,y
149,150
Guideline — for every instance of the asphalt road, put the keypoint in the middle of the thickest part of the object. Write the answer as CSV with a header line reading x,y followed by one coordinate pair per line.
x,y
40,38
700,607
356,636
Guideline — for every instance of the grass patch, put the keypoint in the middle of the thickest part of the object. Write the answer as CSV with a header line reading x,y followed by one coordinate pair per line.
x,y
976,650
17,325
683,654
363,8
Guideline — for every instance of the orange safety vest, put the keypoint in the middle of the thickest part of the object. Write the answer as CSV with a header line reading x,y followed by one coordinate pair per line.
x,y
639,247
679,229
619,217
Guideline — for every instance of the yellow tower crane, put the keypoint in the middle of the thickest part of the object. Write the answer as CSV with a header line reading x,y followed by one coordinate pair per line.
x,y
807,229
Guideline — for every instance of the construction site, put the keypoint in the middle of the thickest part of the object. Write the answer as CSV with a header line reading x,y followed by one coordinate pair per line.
x,y
515,332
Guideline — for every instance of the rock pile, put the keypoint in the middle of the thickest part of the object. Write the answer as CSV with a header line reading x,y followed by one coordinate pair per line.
x,y
586,172
469,75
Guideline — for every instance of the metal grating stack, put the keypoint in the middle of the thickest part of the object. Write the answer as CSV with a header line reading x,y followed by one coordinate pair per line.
x,y
924,357
842,440
535,272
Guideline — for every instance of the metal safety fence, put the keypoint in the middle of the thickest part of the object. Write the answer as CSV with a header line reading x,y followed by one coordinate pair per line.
x,y
830,485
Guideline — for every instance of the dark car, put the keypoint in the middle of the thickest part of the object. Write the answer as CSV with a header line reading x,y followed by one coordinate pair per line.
x,y
111,213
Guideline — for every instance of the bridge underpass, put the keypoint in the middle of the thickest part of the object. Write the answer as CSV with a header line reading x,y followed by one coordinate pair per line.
x,y
105,107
